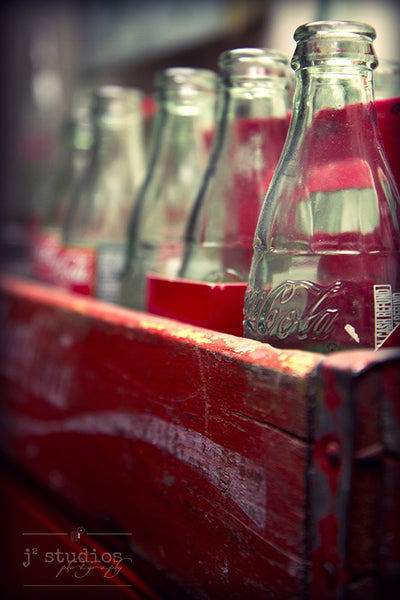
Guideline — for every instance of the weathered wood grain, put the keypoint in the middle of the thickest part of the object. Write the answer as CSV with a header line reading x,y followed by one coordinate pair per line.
x,y
242,471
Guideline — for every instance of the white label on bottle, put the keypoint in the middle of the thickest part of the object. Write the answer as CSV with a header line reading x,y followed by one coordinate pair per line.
x,y
110,262
383,304
396,308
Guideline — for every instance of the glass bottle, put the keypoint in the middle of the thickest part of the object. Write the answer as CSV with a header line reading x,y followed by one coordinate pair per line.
x,y
180,144
387,100
325,273
76,141
252,126
94,235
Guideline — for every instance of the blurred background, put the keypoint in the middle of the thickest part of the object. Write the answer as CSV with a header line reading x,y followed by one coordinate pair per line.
x,y
51,49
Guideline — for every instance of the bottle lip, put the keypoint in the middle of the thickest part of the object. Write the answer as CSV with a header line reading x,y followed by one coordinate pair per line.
x,y
334,44
186,80
336,29
254,63
116,99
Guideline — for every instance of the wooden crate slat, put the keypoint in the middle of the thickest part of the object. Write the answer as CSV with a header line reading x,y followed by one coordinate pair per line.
x,y
208,447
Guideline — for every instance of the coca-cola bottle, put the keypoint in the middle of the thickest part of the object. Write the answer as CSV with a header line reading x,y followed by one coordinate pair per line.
x,y
325,273
76,139
94,235
180,147
252,126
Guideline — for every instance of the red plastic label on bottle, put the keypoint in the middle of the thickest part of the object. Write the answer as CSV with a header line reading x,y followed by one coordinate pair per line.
x,y
45,248
91,271
76,269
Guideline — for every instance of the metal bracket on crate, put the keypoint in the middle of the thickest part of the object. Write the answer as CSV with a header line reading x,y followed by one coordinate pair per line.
x,y
330,483
354,474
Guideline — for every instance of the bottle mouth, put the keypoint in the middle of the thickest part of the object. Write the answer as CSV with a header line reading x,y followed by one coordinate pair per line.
x,y
116,100
186,81
254,63
341,43
336,29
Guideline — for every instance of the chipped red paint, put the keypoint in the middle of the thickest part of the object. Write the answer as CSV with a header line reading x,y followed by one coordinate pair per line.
x,y
332,397
327,453
327,561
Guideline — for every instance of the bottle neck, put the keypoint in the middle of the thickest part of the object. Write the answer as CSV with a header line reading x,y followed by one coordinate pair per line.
x,y
318,88
321,93
118,145
190,112
255,99
252,121
184,130
111,141
334,116
82,138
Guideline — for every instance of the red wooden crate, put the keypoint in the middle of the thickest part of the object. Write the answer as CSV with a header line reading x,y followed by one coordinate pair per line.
x,y
238,470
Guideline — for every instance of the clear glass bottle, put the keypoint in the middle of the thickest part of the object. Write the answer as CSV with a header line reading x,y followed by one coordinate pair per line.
x,y
76,142
94,235
387,100
252,126
325,273
181,143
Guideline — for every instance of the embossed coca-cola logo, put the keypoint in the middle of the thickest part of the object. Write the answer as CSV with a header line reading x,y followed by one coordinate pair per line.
x,y
294,308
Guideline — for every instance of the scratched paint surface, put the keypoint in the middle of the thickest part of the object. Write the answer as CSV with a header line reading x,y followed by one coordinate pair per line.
x,y
133,423
245,480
